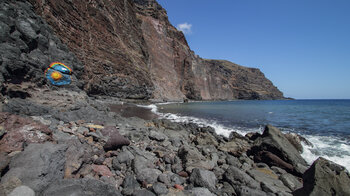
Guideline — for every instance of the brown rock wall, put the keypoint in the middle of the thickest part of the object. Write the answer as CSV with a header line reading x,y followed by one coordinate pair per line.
x,y
130,50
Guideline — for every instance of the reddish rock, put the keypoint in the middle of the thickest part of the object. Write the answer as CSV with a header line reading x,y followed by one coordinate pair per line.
x,y
102,170
183,174
115,140
20,131
273,160
177,186
129,48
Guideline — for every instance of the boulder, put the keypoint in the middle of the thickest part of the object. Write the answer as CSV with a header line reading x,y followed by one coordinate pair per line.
x,y
158,136
296,140
102,170
148,175
160,188
143,192
125,157
274,141
200,191
203,178
272,160
38,165
76,154
4,162
236,177
325,178
235,147
115,140
20,131
22,191
192,158
291,181
83,186
269,180
205,138
247,191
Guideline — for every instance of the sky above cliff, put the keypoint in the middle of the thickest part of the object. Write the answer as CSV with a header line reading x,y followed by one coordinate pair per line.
x,y
303,47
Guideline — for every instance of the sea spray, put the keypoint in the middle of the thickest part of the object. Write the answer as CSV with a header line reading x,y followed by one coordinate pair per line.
x,y
333,147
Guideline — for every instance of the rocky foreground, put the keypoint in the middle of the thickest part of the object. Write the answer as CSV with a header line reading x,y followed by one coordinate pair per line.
x,y
62,142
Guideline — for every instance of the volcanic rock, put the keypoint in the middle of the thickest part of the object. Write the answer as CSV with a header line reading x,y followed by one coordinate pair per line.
x,y
237,177
203,178
325,178
21,131
80,187
38,165
115,140
22,190
130,49
273,141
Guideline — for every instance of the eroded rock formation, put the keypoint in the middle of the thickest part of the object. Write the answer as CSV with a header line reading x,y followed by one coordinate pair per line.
x,y
130,50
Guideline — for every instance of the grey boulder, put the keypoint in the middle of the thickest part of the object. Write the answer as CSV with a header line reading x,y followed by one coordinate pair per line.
x,y
38,165
325,178
80,187
22,191
203,178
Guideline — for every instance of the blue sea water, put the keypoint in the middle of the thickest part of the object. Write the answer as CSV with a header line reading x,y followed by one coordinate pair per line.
x,y
325,123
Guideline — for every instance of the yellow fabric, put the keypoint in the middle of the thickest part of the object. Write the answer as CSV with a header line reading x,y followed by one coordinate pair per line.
x,y
56,75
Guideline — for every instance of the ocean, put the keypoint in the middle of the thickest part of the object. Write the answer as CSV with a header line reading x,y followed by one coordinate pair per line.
x,y
325,123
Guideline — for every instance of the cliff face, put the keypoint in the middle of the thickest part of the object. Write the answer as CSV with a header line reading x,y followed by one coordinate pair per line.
x,y
130,50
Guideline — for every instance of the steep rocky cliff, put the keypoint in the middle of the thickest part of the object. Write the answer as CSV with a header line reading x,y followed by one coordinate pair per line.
x,y
130,50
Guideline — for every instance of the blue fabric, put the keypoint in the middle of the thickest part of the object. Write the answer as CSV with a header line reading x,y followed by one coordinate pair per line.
x,y
61,69
66,78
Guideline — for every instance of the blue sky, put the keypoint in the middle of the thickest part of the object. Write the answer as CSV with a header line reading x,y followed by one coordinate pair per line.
x,y
302,46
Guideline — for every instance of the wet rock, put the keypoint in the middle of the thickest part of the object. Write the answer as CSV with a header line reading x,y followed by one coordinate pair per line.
x,y
273,141
21,131
38,165
83,186
203,178
237,177
291,181
115,140
296,140
21,191
160,188
199,191
154,135
325,178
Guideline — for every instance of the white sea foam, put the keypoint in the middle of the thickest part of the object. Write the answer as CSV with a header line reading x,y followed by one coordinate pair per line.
x,y
219,128
328,147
